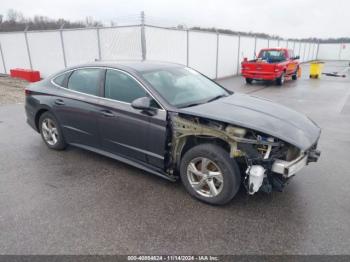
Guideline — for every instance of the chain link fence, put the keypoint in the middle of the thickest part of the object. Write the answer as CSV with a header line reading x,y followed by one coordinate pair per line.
x,y
214,54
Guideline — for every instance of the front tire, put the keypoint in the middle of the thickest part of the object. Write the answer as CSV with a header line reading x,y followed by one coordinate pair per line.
x,y
209,174
51,131
281,79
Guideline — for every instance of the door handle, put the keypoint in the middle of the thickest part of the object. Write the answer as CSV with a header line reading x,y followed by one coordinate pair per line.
x,y
59,102
107,113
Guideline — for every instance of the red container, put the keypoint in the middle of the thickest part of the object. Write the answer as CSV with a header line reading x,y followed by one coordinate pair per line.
x,y
26,74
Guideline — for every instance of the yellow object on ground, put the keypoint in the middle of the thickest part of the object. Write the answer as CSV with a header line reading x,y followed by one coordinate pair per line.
x,y
316,69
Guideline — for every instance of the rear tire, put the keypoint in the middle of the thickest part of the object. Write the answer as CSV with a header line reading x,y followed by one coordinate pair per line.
x,y
295,75
281,79
51,132
249,81
206,166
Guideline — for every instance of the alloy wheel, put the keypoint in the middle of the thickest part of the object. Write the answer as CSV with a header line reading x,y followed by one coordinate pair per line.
x,y
205,177
49,131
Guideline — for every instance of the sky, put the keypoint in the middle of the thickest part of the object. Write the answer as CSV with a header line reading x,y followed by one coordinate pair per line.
x,y
289,19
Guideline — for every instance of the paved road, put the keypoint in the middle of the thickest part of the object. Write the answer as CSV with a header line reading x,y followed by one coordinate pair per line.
x,y
77,202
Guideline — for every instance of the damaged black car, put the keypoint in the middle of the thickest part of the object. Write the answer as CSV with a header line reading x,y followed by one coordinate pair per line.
x,y
174,122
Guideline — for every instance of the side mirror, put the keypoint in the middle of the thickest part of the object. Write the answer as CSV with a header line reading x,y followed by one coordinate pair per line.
x,y
144,104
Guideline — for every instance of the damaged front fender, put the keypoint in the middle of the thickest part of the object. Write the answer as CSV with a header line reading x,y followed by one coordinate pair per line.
x,y
184,127
254,151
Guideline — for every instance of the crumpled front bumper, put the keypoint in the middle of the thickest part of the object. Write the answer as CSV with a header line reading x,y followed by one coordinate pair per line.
x,y
289,168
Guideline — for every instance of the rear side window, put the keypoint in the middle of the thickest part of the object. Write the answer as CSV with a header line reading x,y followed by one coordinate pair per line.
x,y
85,81
61,79
122,87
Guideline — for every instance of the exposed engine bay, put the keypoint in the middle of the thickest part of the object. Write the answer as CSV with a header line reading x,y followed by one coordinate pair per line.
x,y
266,163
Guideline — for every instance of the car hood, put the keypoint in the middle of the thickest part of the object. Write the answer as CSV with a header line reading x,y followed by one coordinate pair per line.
x,y
260,115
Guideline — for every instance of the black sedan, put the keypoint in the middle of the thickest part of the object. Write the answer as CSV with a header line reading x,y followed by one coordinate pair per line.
x,y
174,122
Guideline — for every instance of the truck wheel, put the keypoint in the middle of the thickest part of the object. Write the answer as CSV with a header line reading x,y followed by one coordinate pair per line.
x,y
295,75
249,81
280,80
209,174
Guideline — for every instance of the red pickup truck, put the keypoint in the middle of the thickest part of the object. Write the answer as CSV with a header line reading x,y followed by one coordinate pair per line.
x,y
272,64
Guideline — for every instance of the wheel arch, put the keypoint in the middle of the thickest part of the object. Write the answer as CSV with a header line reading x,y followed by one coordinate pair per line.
x,y
39,113
194,140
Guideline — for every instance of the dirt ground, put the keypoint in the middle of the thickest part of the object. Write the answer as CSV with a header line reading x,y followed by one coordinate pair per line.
x,y
11,90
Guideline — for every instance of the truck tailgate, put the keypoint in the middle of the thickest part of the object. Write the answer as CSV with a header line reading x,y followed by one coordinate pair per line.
x,y
258,67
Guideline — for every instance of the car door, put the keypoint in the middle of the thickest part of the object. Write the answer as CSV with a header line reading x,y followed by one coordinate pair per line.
x,y
127,131
77,106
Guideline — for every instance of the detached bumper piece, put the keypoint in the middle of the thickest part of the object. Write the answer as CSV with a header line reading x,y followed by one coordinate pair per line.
x,y
289,168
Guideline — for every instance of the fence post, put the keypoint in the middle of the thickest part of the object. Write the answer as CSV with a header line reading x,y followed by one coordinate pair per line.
x,y
318,47
217,55
3,59
340,47
313,51
98,43
62,45
238,51
254,55
143,36
308,55
306,51
27,45
187,47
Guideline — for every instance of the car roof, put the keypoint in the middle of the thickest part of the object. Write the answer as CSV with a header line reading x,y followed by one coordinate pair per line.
x,y
138,66
275,48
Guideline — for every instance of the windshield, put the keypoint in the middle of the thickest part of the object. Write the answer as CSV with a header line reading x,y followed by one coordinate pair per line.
x,y
272,55
182,87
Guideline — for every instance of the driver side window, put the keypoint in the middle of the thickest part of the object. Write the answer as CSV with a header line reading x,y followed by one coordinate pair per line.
x,y
122,87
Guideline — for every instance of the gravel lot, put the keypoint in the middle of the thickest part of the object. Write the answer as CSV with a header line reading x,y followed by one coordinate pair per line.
x,y
11,90
78,202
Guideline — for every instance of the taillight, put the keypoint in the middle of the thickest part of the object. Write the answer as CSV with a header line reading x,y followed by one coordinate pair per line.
x,y
27,92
